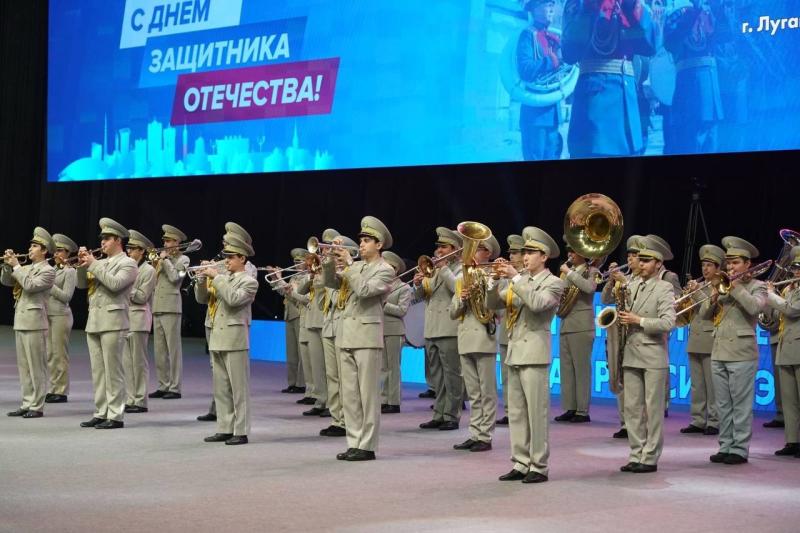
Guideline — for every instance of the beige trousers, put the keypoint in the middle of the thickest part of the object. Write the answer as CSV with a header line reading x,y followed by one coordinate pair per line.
x,y
644,413
480,378
108,376
575,354
232,391
137,370
294,367
504,376
32,365
703,406
168,351
528,408
58,353
390,370
333,371
790,389
360,396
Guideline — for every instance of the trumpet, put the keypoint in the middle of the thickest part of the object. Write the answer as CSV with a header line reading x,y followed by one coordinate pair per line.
x,y
22,258
153,254
194,271
602,277
721,282
75,260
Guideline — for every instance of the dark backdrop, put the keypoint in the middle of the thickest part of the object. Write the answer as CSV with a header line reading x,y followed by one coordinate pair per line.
x,y
751,195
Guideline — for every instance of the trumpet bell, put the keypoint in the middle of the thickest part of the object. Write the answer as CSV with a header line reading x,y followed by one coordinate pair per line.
x,y
606,318
593,225
312,245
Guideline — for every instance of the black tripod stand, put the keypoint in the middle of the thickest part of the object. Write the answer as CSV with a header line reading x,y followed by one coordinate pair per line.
x,y
695,216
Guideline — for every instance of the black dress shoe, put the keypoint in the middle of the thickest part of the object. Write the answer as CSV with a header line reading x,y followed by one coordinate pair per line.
x,y
565,417
110,424
93,422
431,424
342,456
33,414
466,445
580,419
218,437
735,459
481,446
314,411
172,396
514,475
666,413
692,429
448,426
390,409
360,455
306,400
534,477
333,431
297,390
710,430
718,457
628,467
157,394
135,409
791,448
55,398
775,423
621,434
287,390
430,393
18,412
644,469
325,413
503,421
236,440
208,417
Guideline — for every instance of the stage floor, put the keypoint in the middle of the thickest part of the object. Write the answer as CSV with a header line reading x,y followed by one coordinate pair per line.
x,y
157,474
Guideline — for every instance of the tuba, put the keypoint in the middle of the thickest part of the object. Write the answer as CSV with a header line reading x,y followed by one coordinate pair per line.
x,y
475,278
593,227
780,273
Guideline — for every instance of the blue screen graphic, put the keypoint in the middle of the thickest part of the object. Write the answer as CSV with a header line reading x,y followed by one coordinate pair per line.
x,y
157,88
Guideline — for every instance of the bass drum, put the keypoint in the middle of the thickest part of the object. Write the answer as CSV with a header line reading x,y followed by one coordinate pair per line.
x,y
415,325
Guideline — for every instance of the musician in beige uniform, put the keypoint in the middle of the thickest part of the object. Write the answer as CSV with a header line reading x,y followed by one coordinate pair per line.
x,y
167,314
674,280
734,355
137,371
576,337
32,284
359,339
607,298
332,311
59,314
701,339
515,243
477,346
108,282
441,331
394,330
531,298
229,341
291,316
313,285
649,320
787,303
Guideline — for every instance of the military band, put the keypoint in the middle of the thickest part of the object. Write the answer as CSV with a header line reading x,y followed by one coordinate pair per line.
x,y
347,301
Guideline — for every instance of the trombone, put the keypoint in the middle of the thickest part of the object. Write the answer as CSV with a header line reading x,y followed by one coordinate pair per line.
x,y
427,265
721,282
185,247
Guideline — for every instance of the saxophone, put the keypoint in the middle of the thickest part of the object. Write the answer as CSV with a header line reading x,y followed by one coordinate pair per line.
x,y
570,294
